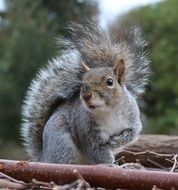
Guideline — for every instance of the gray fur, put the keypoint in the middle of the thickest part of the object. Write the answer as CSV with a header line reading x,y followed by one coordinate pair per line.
x,y
47,106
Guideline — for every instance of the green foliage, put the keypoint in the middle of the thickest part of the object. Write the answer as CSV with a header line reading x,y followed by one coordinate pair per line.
x,y
159,25
27,41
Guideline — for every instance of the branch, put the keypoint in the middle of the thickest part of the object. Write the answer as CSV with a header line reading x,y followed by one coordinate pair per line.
x,y
162,144
96,176
151,151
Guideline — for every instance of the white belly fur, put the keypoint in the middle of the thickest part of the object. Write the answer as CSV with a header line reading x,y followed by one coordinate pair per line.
x,y
113,124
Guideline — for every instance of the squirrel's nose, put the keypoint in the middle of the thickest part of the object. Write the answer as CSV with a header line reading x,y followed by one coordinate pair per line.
x,y
86,89
87,96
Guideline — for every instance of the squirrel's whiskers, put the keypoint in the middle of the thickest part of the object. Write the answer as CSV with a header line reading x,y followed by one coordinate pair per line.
x,y
85,67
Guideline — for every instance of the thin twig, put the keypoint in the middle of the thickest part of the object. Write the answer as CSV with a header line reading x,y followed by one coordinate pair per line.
x,y
5,183
37,182
146,152
175,163
167,159
78,175
11,179
121,158
157,164
82,181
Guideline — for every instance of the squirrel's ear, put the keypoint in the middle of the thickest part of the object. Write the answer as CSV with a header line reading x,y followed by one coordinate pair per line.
x,y
85,66
119,69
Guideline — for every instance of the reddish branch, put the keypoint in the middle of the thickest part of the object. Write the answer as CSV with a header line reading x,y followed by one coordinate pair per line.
x,y
97,176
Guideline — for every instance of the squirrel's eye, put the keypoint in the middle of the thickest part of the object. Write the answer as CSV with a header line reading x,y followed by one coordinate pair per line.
x,y
109,82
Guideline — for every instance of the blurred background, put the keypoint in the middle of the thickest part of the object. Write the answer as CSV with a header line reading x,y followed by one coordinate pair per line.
x,y
27,41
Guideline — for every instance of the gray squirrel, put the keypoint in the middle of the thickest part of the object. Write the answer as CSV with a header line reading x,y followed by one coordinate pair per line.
x,y
83,106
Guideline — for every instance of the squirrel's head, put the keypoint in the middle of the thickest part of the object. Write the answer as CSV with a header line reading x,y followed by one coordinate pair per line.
x,y
102,87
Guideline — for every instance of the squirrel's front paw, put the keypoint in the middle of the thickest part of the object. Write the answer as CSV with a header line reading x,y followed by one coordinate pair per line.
x,y
121,139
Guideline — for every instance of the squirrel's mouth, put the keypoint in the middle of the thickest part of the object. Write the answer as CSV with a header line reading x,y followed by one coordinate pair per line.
x,y
92,106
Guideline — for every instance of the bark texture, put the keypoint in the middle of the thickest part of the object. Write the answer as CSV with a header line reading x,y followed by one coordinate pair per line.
x,y
97,176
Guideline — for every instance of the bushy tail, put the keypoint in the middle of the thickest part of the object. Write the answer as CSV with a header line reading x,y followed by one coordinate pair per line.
x,y
99,48
139,70
61,79
56,83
